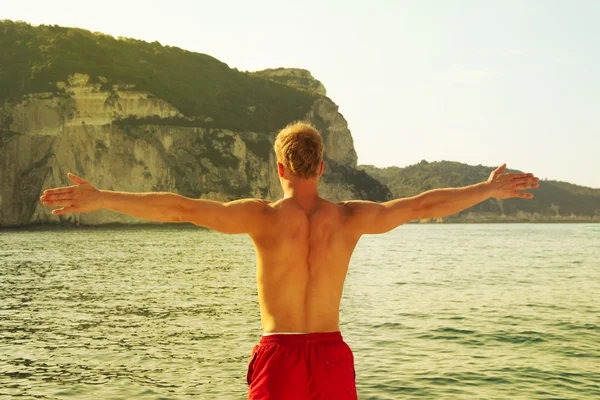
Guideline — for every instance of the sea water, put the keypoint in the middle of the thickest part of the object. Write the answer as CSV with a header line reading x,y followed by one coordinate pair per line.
x,y
500,311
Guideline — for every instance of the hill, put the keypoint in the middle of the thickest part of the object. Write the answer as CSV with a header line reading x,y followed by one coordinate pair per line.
x,y
553,201
205,90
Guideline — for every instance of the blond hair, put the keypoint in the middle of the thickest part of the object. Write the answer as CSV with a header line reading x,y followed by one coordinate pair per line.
x,y
299,147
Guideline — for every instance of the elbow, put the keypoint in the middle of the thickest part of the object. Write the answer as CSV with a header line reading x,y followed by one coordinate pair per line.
x,y
431,210
423,209
178,213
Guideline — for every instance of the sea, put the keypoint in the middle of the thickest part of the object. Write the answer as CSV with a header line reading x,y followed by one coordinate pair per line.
x,y
431,311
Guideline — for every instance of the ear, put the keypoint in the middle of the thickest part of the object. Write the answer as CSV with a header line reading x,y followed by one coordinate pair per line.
x,y
280,169
322,168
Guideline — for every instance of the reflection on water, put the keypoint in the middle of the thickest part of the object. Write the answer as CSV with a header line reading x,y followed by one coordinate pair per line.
x,y
449,312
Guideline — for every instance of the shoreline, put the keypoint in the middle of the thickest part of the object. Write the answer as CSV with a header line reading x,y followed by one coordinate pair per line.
x,y
179,226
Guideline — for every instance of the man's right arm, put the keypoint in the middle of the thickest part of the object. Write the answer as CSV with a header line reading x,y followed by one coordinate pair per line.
x,y
239,216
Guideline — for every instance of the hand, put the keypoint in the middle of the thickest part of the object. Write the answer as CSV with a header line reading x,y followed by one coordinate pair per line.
x,y
82,197
506,186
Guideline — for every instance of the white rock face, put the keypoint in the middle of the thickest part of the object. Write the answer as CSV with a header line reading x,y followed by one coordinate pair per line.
x,y
338,141
51,136
37,115
84,104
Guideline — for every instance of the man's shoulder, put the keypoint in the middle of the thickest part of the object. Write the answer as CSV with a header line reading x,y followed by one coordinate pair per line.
x,y
263,202
354,206
262,205
251,202
252,206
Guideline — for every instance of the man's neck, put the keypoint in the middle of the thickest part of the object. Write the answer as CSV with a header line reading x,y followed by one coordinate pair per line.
x,y
305,190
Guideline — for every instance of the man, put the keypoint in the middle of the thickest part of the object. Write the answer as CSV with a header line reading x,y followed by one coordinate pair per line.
x,y
303,245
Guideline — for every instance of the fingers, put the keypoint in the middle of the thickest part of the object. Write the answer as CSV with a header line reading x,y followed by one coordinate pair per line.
x,y
66,210
521,176
522,195
526,185
76,179
500,169
58,203
57,200
524,180
63,196
67,189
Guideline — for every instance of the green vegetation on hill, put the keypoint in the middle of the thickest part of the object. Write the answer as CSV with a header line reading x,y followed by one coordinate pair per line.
x,y
33,59
423,176
552,199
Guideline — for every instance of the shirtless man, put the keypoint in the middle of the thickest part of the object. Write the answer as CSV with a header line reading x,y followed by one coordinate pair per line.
x,y
303,245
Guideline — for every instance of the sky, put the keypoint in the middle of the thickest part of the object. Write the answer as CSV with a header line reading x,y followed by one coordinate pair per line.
x,y
479,82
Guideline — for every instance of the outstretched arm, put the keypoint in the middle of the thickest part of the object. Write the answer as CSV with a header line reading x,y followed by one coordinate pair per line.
x,y
370,217
239,216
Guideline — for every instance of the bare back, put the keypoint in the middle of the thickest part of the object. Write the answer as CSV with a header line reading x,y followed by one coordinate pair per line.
x,y
302,261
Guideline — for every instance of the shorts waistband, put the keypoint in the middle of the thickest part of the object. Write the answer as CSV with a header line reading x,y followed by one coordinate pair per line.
x,y
300,338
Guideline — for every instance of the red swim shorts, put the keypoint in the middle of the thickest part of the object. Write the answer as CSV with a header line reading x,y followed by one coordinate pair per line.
x,y
311,366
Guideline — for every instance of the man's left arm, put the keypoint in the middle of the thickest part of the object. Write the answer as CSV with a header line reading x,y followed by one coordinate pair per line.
x,y
443,202
371,218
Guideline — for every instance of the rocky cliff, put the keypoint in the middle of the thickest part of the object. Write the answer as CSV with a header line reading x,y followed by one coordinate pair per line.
x,y
121,138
